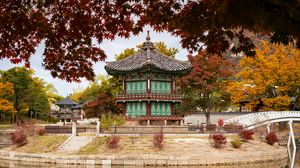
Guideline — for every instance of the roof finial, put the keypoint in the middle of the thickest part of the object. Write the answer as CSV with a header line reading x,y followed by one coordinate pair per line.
x,y
148,36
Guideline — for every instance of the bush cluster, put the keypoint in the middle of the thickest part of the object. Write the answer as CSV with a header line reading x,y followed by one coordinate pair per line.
x,y
19,137
236,143
271,138
218,140
24,130
220,122
246,135
40,131
112,142
158,140
108,120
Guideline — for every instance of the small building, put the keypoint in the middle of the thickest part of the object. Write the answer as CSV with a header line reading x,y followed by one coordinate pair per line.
x,y
69,110
149,89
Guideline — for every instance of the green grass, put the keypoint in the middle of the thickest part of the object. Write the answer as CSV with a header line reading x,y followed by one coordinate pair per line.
x,y
5,127
93,147
42,144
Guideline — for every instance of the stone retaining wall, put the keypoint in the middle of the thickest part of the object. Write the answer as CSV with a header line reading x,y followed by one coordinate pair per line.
x,y
278,158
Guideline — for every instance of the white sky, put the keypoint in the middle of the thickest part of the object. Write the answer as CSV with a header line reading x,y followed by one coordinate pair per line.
x,y
111,48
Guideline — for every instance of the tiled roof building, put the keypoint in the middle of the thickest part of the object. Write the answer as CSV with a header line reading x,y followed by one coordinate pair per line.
x,y
149,90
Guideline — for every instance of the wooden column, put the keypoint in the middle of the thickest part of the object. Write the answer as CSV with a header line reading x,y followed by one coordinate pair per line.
x,y
124,86
148,109
172,109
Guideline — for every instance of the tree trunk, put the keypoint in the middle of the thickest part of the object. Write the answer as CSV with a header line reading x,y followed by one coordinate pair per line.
x,y
11,118
207,116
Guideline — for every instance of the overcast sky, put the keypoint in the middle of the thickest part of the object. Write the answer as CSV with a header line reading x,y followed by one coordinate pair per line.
x,y
111,48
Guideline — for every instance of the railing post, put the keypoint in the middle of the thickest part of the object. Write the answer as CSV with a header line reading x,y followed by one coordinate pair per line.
x,y
268,128
74,128
291,138
98,128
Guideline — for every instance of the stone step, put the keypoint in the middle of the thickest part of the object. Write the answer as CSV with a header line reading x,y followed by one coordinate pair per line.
x,y
75,143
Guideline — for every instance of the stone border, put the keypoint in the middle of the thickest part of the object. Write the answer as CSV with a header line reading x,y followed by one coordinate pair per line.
x,y
144,160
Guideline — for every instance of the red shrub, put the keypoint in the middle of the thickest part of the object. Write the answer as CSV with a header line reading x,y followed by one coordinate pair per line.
x,y
40,131
218,140
158,140
246,135
19,138
220,122
271,138
28,128
112,142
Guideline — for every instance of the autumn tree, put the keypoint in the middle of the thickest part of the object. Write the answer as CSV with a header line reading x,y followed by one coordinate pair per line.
x,y
68,27
87,94
52,93
104,101
271,77
6,100
29,93
202,87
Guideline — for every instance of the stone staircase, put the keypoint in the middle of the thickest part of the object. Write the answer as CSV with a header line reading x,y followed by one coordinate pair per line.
x,y
74,143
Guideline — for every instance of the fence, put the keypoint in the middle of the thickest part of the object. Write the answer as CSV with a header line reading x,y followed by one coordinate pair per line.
x,y
68,129
144,129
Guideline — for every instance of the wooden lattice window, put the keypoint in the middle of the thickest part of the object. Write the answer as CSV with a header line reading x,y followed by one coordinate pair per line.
x,y
134,109
136,87
160,108
160,87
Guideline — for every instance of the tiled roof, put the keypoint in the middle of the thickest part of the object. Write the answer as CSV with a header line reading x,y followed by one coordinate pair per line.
x,y
67,101
147,56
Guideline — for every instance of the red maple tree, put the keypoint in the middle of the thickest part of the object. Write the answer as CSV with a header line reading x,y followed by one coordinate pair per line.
x,y
203,85
69,27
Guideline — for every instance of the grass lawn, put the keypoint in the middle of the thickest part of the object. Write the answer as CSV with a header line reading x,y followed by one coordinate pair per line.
x,y
93,147
40,144
5,127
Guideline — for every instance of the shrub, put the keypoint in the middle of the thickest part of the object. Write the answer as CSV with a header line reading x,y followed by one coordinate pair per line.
x,y
113,141
40,131
218,140
108,120
271,138
236,143
28,128
220,122
158,140
19,138
246,135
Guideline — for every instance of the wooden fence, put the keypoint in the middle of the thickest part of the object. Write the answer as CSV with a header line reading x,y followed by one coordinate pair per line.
x,y
145,129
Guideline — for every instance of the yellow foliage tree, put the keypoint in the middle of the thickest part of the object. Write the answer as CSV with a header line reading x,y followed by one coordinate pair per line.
x,y
272,76
6,98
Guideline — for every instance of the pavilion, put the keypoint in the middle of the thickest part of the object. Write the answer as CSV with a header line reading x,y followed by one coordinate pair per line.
x,y
149,88
69,110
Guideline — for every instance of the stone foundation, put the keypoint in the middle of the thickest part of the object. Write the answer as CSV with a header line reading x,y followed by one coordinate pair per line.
x,y
278,159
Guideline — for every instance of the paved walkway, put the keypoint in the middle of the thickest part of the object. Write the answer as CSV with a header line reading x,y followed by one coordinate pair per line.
x,y
75,143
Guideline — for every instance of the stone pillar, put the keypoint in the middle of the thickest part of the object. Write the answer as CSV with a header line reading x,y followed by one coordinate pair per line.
x,y
74,128
181,123
98,128
165,122
148,122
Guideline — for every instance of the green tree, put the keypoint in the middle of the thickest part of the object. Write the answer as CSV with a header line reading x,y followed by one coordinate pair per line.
x,y
30,93
104,101
52,93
